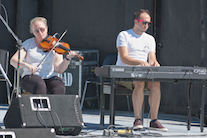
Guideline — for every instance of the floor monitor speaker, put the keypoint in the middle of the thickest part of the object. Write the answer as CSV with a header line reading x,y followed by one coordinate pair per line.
x,y
61,112
27,133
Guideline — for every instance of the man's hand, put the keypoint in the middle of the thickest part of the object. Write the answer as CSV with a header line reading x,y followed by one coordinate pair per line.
x,y
144,64
154,63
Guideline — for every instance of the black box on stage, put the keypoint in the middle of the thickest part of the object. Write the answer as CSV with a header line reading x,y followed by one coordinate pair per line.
x,y
79,71
61,112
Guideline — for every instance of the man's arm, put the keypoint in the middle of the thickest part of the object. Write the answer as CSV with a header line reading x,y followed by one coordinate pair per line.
x,y
123,51
152,59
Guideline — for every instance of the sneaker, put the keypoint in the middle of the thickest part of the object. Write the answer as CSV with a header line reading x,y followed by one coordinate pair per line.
x,y
155,125
137,124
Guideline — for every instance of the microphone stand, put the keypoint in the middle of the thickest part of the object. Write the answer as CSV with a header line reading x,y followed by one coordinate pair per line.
x,y
19,45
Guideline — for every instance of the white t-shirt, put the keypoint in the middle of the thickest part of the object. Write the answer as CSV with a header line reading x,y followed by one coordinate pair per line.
x,y
34,56
138,46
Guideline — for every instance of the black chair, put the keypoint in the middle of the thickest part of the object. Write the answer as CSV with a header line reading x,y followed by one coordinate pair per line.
x,y
4,61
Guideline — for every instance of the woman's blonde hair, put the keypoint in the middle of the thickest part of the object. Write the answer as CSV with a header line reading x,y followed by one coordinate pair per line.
x,y
44,20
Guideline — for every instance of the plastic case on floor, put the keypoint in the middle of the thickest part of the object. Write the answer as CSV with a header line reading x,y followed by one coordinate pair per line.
x,y
79,71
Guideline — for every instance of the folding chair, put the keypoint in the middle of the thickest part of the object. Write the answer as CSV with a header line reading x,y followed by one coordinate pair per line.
x,y
4,61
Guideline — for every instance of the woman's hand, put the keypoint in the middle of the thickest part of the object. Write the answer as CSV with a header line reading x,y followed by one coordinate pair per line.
x,y
71,54
32,68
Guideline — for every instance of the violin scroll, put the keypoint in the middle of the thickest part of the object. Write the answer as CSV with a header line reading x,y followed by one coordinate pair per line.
x,y
80,57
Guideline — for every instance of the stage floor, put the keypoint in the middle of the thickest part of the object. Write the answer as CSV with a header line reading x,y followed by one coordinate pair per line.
x,y
176,125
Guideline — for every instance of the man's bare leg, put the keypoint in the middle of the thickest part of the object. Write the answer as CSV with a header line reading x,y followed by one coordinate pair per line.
x,y
138,97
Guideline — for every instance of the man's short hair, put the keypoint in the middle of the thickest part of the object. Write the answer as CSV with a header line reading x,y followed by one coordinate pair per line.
x,y
137,13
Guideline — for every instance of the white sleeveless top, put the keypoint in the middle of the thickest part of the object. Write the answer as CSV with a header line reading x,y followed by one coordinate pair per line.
x,y
34,56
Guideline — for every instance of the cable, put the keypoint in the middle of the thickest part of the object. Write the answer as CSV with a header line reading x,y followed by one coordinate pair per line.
x,y
58,121
44,123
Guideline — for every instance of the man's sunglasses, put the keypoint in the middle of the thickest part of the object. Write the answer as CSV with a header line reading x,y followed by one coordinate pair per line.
x,y
144,23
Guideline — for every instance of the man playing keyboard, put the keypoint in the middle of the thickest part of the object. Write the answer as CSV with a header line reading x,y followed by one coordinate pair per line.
x,y
136,47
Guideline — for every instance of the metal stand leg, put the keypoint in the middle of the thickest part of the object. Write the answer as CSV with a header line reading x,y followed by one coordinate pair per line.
x,y
102,104
8,93
97,94
84,93
202,107
189,107
112,107
128,104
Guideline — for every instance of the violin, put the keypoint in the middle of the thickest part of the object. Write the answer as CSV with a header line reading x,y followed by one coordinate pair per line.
x,y
52,43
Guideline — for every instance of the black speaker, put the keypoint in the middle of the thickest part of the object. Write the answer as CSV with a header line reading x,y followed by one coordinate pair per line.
x,y
27,133
61,112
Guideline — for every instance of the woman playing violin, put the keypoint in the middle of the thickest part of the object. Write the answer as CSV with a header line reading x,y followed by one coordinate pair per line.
x,y
42,79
